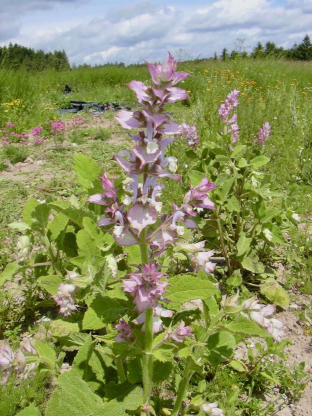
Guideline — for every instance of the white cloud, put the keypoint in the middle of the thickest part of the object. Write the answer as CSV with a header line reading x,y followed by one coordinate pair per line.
x,y
147,30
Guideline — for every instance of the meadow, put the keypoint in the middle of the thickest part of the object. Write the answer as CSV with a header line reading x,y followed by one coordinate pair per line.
x,y
50,160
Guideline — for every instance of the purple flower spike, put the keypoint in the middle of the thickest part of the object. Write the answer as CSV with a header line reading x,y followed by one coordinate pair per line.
x,y
125,332
264,134
109,195
179,333
166,73
197,197
146,288
225,110
65,299
190,133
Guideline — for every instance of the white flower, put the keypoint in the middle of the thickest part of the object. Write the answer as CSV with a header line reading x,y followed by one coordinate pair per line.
x,y
152,147
296,217
118,229
268,235
172,164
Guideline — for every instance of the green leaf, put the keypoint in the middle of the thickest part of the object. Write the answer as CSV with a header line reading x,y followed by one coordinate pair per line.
x,y
273,291
276,235
242,163
74,214
243,244
87,244
135,371
252,263
20,226
81,361
238,366
50,283
129,395
235,279
258,161
102,311
73,396
223,190
46,354
10,270
164,353
220,347
133,254
57,225
30,205
29,411
196,177
238,149
246,327
40,215
211,304
161,371
87,170
185,288
60,328
73,341
233,204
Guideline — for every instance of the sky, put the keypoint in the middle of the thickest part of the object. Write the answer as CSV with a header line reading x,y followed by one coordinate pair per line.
x,y
101,31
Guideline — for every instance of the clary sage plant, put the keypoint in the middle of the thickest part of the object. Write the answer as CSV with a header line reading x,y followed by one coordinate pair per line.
x,y
149,337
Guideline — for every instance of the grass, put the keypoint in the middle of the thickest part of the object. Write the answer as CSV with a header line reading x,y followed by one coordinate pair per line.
x,y
274,91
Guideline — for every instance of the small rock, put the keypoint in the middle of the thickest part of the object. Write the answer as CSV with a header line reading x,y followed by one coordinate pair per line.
x,y
29,160
18,164
39,162
284,412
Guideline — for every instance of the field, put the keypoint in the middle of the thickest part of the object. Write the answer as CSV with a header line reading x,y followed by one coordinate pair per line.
x,y
41,157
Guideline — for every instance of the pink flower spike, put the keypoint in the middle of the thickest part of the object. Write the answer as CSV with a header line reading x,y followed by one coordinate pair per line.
x,y
140,216
125,331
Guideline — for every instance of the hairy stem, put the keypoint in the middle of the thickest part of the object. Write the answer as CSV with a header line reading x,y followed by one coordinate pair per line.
x,y
120,370
224,250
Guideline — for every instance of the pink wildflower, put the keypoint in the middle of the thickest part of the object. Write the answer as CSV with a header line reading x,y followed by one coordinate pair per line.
x,y
65,299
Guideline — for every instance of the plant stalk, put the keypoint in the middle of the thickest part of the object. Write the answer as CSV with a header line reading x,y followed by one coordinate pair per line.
x,y
120,370
182,388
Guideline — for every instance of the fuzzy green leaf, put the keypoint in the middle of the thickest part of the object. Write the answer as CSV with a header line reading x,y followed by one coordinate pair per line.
x,y
87,170
237,149
258,161
81,361
220,347
57,225
273,291
235,279
135,371
30,205
87,244
102,311
253,264
46,354
40,215
74,214
164,353
50,283
246,327
185,288
73,396
161,371
73,341
60,329
20,226
129,395
238,366
243,244
133,254
10,270
30,411
196,177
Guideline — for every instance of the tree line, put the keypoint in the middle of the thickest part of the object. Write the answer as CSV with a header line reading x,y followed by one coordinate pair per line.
x,y
17,57
299,52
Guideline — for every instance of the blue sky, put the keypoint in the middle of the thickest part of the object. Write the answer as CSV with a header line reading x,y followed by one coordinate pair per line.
x,y
100,31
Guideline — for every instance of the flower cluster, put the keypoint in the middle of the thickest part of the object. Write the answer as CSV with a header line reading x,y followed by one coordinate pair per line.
x,y
190,133
263,316
15,361
9,135
225,112
133,212
65,299
264,134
